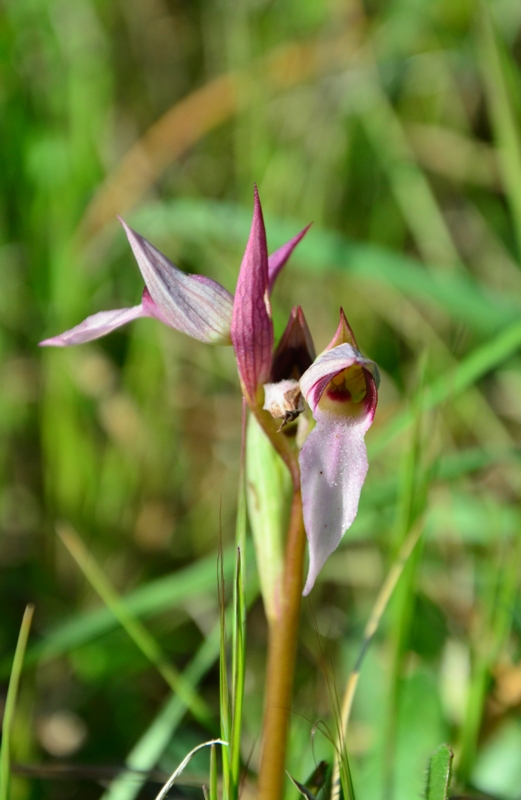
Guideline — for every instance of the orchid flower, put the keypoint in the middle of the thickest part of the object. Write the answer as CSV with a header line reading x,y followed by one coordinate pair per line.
x,y
340,386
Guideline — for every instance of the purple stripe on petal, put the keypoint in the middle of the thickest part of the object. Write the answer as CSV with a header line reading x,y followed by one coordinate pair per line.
x,y
278,259
193,304
330,363
252,328
96,326
333,464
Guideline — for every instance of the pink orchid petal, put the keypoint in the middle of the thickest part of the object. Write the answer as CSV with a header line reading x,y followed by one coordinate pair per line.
x,y
315,380
343,334
193,304
96,326
333,464
333,460
278,259
252,328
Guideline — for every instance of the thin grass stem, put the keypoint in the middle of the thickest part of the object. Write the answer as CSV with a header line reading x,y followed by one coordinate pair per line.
x,y
10,703
134,628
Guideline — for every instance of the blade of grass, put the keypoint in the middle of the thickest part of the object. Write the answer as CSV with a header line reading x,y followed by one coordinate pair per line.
x,y
239,659
224,689
213,774
156,596
10,703
205,108
411,507
137,632
147,751
498,67
470,369
239,623
439,774
170,782
490,638
377,612
412,191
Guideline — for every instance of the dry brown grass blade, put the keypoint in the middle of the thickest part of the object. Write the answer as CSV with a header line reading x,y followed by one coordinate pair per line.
x,y
202,111
181,126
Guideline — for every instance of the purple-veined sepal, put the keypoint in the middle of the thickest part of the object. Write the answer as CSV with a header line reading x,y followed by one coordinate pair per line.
x,y
252,328
278,259
192,304
97,325
341,387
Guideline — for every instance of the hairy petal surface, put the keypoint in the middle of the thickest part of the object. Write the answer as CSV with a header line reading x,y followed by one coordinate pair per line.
x,y
315,380
333,463
193,304
252,328
278,259
341,388
96,326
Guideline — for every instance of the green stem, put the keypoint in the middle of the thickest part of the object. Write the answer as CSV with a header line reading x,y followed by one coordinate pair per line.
x,y
281,661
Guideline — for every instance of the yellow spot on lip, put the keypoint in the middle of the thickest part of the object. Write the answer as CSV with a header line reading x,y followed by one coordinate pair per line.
x,y
352,381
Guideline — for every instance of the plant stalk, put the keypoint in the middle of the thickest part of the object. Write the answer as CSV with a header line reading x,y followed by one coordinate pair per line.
x,y
281,661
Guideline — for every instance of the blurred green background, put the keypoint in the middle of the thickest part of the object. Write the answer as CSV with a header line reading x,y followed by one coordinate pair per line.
x,y
395,127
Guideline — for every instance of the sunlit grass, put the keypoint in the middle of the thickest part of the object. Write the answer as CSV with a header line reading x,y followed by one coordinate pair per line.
x,y
396,129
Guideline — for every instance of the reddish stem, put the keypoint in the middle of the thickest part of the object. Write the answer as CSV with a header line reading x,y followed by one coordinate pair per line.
x,y
281,661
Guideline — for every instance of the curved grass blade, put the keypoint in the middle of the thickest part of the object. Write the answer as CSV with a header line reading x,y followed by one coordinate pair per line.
x,y
10,703
154,597
137,632
170,782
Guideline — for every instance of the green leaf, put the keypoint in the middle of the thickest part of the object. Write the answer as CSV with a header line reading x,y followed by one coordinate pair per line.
x,y
439,774
268,493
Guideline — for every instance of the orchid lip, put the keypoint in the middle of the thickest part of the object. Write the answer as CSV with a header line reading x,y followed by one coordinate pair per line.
x,y
333,459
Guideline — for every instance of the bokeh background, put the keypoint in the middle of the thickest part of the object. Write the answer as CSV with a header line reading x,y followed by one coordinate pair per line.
x,y
394,125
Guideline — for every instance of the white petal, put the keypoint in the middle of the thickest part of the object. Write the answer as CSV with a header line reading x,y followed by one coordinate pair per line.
x,y
333,463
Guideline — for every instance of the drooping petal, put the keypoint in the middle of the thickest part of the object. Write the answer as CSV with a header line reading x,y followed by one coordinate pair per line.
x,y
193,304
295,351
96,326
341,388
277,259
252,328
333,464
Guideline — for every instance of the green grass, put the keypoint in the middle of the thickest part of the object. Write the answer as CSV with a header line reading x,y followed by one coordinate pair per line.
x,y
395,127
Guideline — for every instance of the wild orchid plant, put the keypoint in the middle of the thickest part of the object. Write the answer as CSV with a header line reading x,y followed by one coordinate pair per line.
x,y
327,462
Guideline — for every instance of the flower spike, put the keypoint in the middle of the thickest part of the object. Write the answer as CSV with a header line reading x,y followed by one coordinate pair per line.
x,y
252,328
341,388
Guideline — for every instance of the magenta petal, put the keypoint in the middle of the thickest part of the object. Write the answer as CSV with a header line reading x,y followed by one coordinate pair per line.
x,y
96,326
277,259
193,304
333,464
252,328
